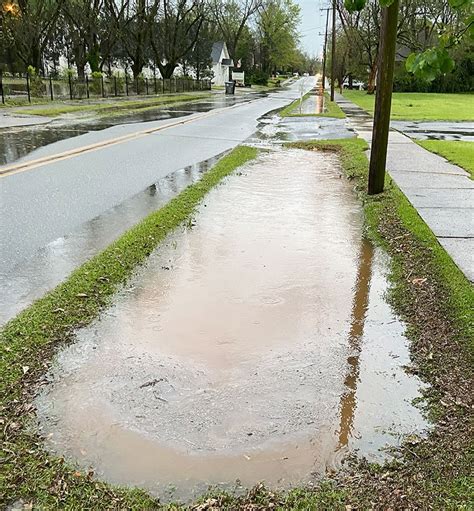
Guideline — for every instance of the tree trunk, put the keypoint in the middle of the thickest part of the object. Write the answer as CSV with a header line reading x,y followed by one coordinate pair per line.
x,y
383,98
81,74
137,67
36,56
80,60
167,69
333,49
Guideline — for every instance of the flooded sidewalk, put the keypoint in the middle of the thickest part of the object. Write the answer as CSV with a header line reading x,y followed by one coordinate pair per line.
x,y
255,345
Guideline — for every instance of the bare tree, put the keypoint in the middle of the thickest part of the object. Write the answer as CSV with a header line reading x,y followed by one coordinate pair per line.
x,y
231,16
176,32
133,21
83,19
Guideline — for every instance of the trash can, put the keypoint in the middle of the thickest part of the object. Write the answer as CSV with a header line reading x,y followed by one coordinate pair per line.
x,y
230,87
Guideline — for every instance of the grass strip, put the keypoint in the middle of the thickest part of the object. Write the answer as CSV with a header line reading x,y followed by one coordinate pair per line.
x,y
29,341
456,151
436,301
420,106
332,109
115,106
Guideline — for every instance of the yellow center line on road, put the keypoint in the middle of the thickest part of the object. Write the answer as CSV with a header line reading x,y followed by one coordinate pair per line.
x,y
15,168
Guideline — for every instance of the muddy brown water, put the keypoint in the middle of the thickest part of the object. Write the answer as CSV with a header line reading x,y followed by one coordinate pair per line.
x,y
314,104
255,345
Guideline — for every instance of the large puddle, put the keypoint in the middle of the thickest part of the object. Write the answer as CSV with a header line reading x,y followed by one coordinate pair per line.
x,y
436,130
274,130
255,345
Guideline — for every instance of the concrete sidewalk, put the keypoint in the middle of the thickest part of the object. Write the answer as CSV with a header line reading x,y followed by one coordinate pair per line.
x,y
441,192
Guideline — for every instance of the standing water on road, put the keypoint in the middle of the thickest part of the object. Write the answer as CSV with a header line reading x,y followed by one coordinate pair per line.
x,y
17,142
255,345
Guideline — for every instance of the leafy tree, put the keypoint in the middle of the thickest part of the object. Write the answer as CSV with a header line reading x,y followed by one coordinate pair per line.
x,y
28,26
277,24
427,65
199,56
133,21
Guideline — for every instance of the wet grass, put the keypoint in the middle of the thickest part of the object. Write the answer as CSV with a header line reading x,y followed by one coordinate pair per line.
x,y
29,341
115,106
22,101
332,109
456,151
436,301
420,106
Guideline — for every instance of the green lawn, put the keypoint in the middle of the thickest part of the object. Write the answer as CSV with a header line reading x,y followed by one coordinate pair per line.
x,y
420,105
458,152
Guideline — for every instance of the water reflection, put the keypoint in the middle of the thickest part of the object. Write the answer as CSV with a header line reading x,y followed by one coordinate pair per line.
x,y
16,143
360,306
436,130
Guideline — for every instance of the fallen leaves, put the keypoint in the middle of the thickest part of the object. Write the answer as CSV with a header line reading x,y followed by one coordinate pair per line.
x,y
419,281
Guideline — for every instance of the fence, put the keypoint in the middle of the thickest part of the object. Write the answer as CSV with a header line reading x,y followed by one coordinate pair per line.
x,y
27,86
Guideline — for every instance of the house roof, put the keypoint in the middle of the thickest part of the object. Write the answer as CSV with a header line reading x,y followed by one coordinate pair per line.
x,y
217,52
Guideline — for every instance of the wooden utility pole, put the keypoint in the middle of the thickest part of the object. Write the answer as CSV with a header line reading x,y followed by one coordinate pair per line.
x,y
383,98
325,48
333,49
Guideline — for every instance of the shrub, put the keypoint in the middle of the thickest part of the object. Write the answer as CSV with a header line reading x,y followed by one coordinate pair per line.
x,y
257,77
95,86
37,87
461,79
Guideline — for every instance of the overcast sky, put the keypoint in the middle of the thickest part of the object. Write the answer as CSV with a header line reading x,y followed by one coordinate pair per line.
x,y
312,24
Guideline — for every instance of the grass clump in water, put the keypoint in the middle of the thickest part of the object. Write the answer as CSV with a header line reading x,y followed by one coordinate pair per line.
x,y
115,106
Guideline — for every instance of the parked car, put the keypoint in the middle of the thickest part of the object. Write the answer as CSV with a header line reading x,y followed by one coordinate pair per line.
x,y
356,84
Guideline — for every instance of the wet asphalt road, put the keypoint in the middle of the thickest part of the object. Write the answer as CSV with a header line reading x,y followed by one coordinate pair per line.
x,y
17,140
47,202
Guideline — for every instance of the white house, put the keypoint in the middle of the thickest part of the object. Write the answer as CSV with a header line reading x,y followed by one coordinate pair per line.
x,y
221,63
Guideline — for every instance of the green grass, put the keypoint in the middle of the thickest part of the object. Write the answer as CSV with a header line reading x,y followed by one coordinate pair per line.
x,y
421,106
22,101
456,151
332,109
116,106
29,341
